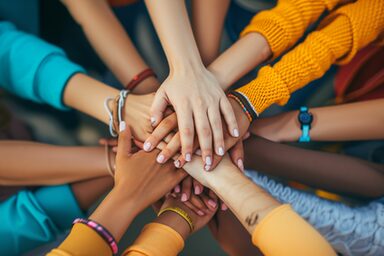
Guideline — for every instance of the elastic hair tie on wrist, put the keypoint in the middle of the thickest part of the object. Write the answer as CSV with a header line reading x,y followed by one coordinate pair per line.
x,y
101,231
137,79
120,104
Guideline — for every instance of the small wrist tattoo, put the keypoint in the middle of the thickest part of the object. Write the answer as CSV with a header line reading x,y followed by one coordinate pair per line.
x,y
251,220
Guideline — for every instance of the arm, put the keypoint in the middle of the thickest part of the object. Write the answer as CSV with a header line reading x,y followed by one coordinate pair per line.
x,y
191,89
48,165
103,30
350,28
207,22
332,123
262,216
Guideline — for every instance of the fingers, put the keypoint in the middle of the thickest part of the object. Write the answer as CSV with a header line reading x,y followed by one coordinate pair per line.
x,y
159,105
186,188
197,187
217,130
186,129
204,133
166,126
124,141
229,116
237,155
210,202
170,150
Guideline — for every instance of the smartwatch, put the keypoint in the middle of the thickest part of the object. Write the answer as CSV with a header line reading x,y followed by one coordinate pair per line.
x,y
305,118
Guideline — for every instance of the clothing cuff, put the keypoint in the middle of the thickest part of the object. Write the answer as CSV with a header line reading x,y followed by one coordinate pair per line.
x,y
157,239
60,205
52,77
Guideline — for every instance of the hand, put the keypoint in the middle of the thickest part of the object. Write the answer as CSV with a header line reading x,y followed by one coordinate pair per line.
x,y
196,96
140,177
176,222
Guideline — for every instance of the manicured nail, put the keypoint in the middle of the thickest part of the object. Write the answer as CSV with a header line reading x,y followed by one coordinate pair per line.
x,y
198,152
236,133
208,160
160,158
221,151
177,163
188,157
207,167
177,189
240,164
184,197
122,126
200,213
212,203
153,121
224,207
147,146
197,190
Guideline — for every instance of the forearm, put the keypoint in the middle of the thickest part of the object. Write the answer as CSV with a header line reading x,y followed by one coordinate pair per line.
x,y
348,122
107,37
170,19
329,171
207,21
27,163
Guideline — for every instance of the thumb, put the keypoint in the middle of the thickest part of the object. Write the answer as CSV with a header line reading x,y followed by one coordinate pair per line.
x,y
159,105
124,142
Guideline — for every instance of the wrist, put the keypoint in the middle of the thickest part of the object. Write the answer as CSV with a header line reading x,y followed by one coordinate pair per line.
x,y
176,222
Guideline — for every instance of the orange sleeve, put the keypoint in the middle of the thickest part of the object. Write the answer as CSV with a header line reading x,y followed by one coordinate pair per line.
x,y
284,232
156,239
286,23
350,28
84,241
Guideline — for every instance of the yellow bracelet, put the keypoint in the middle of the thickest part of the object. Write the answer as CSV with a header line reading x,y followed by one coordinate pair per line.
x,y
181,213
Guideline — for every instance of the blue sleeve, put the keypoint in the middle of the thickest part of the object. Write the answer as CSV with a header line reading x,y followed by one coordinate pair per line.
x,y
33,69
31,219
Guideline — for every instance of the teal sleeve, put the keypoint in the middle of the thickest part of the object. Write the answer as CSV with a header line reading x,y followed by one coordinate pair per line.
x,y
31,219
33,69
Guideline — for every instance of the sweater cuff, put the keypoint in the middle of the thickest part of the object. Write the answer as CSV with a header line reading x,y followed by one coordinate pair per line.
x,y
52,77
157,239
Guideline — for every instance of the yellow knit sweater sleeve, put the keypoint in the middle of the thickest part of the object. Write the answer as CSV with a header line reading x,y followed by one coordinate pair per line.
x,y
349,29
156,239
284,232
286,23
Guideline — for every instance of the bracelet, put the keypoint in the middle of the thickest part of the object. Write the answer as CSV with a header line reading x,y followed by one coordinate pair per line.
x,y
111,170
120,105
245,110
139,78
181,213
103,232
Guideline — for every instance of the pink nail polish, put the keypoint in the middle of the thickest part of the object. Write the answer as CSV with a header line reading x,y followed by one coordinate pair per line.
x,y
240,164
177,189
197,190
212,203
200,213
184,197
224,207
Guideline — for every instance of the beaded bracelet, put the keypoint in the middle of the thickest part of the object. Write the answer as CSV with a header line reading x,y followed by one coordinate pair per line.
x,y
245,110
103,232
137,79
181,213
120,104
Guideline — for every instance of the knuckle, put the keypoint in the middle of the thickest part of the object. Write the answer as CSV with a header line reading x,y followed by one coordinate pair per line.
x,y
187,131
206,131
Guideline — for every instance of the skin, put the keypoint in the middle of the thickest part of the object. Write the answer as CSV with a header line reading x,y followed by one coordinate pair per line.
x,y
190,88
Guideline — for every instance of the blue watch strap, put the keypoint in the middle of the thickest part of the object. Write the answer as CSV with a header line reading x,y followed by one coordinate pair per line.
x,y
305,134
305,124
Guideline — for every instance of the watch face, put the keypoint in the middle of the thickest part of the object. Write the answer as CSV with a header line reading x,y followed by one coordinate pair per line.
x,y
305,118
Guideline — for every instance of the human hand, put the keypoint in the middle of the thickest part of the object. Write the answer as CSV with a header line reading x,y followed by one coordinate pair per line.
x,y
196,96
141,178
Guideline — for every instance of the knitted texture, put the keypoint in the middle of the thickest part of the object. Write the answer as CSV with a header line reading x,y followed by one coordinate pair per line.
x,y
283,25
350,230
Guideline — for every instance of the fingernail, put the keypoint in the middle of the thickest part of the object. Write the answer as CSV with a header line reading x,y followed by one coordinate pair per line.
x,y
184,197
207,167
221,151
201,213
177,163
153,121
122,126
160,159
208,160
177,189
236,133
147,146
212,203
188,157
198,152
240,164
224,207
197,190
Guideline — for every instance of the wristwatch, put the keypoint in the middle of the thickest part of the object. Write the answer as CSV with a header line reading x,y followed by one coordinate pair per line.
x,y
305,118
